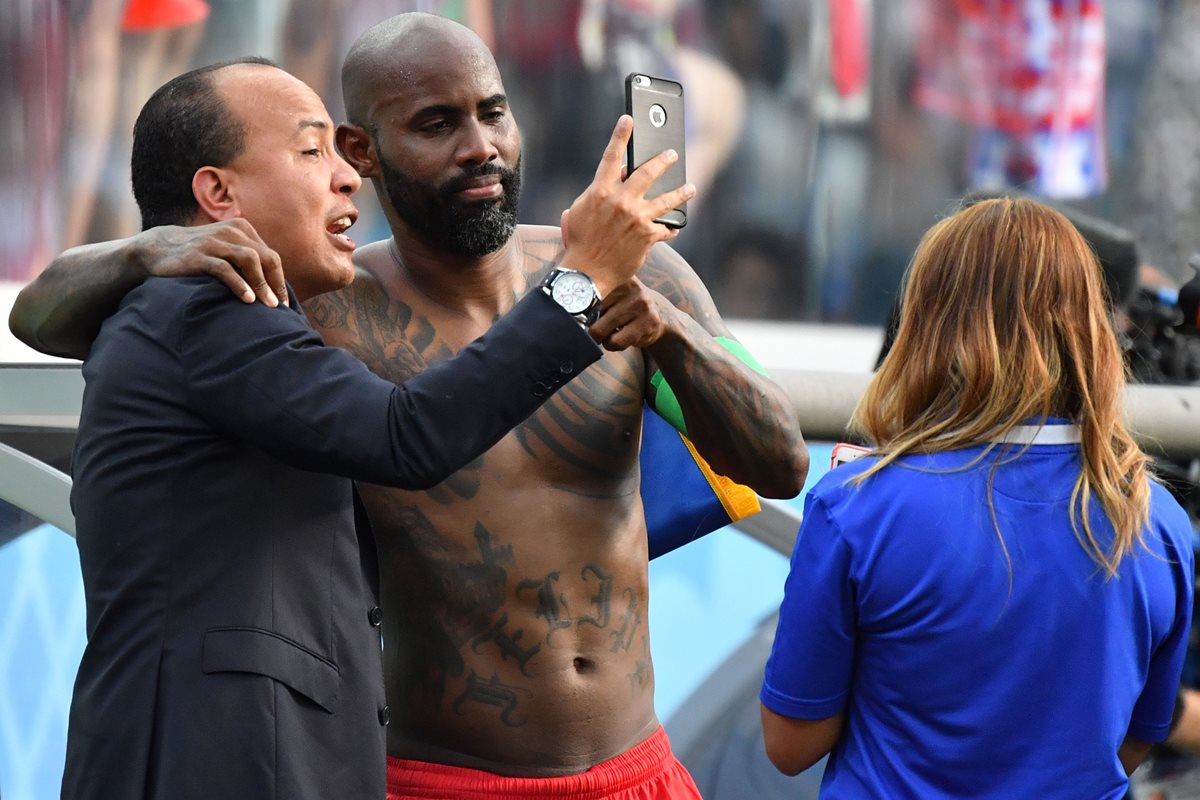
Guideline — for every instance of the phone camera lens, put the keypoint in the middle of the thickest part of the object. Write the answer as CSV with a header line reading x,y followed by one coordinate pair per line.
x,y
641,80
658,115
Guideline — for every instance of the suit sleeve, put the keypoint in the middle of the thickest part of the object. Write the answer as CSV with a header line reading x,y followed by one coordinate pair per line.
x,y
265,376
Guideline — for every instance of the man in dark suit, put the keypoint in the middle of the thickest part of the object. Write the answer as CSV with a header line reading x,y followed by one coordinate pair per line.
x,y
233,625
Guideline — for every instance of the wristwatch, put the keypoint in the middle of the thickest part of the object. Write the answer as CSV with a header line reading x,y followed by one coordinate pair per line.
x,y
575,292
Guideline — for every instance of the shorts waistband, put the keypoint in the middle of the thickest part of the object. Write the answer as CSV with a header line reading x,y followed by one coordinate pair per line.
x,y
640,763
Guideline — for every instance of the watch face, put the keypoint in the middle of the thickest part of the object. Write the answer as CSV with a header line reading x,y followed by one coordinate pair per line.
x,y
574,292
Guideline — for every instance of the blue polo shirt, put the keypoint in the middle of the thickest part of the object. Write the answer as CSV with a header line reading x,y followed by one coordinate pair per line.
x,y
899,612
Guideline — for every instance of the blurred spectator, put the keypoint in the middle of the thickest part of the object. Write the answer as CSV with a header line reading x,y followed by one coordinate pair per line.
x,y
838,206
565,66
1132,32
92,92
764,188
913,166
968,95
157,41
35,42
761,276
1162,191
1027,76
839,128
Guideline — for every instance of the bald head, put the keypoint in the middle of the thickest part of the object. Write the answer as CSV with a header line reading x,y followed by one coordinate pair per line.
x,y
400,51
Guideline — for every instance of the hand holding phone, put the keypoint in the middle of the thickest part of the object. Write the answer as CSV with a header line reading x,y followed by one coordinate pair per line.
x,y
656,105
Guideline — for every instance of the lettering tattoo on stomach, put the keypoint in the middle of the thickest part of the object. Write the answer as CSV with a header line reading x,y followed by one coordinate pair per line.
x,y
465,620
554,611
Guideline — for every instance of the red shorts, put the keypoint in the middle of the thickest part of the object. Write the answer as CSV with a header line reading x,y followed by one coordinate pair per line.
x,y
648,771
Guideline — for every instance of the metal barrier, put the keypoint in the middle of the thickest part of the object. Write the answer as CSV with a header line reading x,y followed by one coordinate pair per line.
x,y
37,488
37,400
1166,420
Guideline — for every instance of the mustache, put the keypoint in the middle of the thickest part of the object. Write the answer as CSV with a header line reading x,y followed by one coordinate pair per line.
x,y
463,181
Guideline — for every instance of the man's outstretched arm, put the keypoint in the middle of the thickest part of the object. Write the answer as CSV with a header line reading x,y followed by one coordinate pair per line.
x,y
61,311
741,421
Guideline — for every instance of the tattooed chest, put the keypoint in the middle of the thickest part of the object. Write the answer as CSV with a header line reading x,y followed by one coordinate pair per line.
x,y
587,431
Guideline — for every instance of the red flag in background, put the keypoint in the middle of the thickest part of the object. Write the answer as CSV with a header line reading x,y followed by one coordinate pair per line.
x,y
848,46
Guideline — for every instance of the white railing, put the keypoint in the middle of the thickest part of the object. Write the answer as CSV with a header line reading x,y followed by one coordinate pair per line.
x,y
46,398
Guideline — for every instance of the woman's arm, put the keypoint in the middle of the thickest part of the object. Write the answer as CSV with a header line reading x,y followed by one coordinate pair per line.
x,y
1131,753
794,745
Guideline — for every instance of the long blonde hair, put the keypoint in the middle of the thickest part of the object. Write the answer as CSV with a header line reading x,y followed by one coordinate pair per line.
x,y
1005,319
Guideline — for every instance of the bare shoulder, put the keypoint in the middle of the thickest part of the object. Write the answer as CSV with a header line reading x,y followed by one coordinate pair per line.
x,y
547,238
541,247
337,315
373,320
669,274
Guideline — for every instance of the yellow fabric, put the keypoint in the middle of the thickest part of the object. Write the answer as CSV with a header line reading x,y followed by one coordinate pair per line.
x,y
738,501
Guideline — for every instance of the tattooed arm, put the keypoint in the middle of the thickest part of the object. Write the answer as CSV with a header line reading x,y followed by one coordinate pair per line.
x,y
61,311
740,421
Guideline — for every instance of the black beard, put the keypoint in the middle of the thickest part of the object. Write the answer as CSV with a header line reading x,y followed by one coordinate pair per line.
x,y
470,229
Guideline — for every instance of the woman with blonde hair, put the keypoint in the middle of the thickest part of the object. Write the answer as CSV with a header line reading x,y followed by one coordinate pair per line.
x,y
995,601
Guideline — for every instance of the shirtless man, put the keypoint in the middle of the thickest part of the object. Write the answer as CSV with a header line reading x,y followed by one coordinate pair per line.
x,y
516,590
517,656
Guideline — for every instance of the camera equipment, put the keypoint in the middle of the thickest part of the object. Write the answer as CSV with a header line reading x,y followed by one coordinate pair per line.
x,y
1163,340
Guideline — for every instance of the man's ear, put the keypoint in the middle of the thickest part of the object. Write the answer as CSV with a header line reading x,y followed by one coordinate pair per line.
x,y
358,149
214,193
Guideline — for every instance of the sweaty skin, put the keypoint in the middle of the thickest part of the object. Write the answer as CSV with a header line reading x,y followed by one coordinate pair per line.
x,y
515,624
515,593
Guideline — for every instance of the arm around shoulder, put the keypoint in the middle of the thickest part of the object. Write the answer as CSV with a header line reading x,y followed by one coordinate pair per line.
x,y
60,312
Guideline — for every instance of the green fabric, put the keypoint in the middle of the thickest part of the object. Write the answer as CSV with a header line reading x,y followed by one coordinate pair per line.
x,y
667,404
743,355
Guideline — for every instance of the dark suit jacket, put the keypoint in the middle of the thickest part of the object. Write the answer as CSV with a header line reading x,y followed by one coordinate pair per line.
x,y
233,643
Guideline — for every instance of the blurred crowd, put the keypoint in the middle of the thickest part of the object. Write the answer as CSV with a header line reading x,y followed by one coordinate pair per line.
x,y
823,136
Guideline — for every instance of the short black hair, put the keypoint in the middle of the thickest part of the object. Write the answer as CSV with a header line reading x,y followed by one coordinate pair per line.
x,y
184,126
